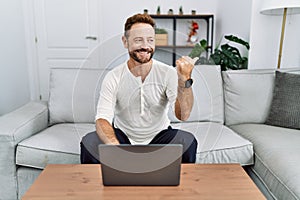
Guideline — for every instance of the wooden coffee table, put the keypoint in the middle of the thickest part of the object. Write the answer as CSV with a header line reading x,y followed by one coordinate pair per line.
x,y
198,181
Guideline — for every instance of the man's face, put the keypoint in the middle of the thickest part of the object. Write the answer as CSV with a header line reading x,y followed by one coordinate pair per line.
x,y
140,42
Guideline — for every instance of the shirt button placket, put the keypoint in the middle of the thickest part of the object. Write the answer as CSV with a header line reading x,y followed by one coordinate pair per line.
x,y
142,100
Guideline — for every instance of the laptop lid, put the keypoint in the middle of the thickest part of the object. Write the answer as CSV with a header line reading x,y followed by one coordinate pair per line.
x,y
153,164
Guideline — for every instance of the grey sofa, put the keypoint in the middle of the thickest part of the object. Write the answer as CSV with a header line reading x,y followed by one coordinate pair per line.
x,y
227,119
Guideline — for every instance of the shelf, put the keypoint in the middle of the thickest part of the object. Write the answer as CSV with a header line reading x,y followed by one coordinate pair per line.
x,y
166,16
178,46
173,47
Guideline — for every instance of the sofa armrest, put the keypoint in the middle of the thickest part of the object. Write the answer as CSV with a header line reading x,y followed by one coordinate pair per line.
x,y
15,127
23,122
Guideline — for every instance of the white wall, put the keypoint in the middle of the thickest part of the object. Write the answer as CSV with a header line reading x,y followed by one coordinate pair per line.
x,y
14,88
233,18
265,36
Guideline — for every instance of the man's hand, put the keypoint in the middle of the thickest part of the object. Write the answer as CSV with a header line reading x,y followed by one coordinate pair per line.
x,y
185,66
106,132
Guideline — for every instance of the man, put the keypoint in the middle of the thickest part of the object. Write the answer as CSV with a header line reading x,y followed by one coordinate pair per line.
x,y
135,97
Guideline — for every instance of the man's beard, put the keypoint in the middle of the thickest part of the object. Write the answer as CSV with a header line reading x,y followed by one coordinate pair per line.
x,y
134,55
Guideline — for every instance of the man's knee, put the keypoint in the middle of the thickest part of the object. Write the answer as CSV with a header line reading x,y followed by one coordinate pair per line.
x,y
86,157
91,138
186,138
89,148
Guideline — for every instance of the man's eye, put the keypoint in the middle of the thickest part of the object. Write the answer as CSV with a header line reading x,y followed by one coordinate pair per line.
x,y
151,40
138,40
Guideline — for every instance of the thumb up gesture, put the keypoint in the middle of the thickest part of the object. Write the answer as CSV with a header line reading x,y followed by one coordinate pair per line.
x,y
185,66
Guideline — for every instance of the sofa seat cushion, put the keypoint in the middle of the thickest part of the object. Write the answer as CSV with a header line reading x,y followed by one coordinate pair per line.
x,y
218,144
277,161
57,144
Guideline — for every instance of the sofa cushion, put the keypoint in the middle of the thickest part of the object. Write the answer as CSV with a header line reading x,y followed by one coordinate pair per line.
x,y
208,95
74,94
247,95
218,144
285,107
57,144
277,161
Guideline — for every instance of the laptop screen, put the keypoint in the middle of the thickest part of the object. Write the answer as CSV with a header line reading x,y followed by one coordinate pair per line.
x,y
153,164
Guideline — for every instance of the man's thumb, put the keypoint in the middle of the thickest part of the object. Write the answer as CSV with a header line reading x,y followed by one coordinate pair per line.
x,y
194,60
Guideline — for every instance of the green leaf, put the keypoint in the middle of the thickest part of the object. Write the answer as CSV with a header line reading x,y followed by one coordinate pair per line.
x,y
228,57
160,31
237,40
203,43
198,50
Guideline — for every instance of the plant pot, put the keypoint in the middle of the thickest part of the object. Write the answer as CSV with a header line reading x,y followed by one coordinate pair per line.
x,y
161,39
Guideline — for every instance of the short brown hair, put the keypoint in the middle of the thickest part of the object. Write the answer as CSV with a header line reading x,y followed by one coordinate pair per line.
x,y
138,18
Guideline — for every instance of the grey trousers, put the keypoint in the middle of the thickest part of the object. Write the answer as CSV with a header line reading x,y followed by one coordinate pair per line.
x,y
89,144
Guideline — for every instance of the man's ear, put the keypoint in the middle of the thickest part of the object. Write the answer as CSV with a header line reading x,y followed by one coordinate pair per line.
x,y
125,42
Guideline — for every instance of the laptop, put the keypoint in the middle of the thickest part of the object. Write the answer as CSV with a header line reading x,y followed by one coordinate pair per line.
x,y
140,165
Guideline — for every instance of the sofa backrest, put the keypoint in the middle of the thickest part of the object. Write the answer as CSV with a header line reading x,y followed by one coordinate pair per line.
x,y
74,93
208,95
248,94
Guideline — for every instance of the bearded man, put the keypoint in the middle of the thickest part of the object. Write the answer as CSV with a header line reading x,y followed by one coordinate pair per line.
x,y
136,95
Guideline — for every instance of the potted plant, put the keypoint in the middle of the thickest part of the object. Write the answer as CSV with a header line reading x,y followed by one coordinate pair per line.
x,y
227,56
158,10
180,10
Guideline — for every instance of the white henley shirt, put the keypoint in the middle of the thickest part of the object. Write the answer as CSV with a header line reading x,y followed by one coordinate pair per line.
x,y
138,108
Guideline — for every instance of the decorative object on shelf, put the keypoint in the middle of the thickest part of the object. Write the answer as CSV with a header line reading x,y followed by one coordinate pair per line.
x,y
180,10
158,10
145,11
161,37
193,12
192,37
279,7
170,12
227,56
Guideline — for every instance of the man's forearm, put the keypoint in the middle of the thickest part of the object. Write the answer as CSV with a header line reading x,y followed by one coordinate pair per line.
x,y
184,101
106,132
185,98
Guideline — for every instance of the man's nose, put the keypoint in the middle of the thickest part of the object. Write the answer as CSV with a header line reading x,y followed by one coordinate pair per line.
x,y
145,44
